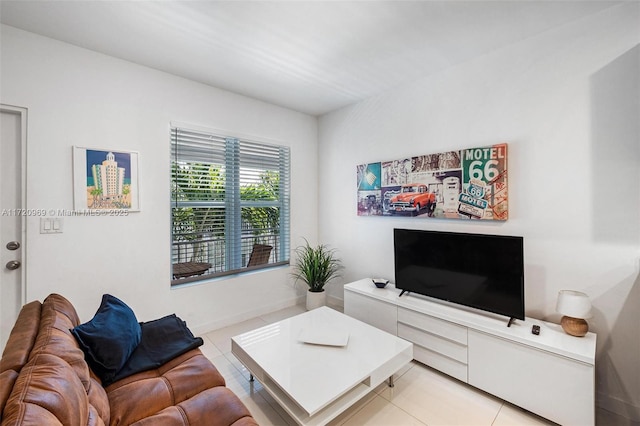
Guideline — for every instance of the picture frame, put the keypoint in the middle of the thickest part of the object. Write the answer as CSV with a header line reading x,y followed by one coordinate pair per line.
x,y
465,184
105,180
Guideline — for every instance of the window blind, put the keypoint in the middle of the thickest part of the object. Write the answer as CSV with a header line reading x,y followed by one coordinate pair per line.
x,y
229,205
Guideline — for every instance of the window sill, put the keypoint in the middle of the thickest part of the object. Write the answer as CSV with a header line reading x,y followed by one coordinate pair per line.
x,y
208,278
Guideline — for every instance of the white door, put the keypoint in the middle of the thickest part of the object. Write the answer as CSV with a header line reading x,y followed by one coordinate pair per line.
x,y
12,217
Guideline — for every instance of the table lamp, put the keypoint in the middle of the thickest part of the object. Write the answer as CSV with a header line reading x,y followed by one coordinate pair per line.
x,y
575,307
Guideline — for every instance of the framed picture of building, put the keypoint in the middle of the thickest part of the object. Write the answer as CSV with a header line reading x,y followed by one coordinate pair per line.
x,y
105,180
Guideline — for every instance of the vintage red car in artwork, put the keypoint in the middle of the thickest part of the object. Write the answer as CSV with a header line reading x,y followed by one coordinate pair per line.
x,y
413,197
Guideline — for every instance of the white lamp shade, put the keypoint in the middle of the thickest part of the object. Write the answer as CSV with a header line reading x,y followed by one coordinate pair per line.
x,y
573,304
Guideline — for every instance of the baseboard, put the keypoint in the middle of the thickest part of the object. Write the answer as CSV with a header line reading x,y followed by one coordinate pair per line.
x,y
332,301
246,315
618,406
336,303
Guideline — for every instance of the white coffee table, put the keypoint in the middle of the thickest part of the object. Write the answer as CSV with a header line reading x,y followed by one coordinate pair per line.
x,y
314,383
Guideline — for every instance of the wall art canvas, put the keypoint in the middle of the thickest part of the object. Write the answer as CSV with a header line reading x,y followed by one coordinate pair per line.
x,y
105,180
466,184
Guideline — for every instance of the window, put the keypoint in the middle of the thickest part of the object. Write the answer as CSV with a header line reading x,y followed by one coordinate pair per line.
x,y
229,205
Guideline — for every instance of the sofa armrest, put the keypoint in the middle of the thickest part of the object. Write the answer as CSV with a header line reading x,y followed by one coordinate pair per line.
x,y
22,338
47,392
7,379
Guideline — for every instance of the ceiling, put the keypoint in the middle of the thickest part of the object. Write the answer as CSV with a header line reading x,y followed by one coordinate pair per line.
x,y
312,57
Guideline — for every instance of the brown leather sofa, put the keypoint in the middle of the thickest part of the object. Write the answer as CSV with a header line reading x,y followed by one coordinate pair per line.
x,y
44,380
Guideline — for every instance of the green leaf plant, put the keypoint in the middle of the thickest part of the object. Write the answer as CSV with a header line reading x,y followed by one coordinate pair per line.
x,y
316,266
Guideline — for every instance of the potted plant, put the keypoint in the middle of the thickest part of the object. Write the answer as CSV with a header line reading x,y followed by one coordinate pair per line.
x,y
316,266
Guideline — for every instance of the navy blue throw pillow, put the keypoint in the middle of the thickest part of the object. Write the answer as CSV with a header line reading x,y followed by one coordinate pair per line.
x,y
109,339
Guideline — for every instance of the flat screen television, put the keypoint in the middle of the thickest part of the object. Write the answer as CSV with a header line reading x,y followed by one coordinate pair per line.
x,y
476,270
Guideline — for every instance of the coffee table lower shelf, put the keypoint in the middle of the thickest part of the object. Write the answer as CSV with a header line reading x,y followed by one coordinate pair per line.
x,y
326,414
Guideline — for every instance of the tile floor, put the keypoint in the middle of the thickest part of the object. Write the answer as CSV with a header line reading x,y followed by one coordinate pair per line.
x,y
421,396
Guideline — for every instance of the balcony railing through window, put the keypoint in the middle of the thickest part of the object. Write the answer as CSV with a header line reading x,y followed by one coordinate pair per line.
x,y
210,256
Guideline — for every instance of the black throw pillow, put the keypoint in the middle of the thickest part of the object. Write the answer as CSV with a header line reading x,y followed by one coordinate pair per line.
x,y
109,339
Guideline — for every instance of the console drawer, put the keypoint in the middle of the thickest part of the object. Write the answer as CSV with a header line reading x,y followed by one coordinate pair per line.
x,y
441,363
436,326
374,312
434,343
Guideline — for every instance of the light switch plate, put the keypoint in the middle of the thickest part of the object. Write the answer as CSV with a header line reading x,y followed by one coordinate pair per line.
x,y
51,225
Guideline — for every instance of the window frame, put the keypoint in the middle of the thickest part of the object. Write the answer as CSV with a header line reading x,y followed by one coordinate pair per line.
x,y
233,203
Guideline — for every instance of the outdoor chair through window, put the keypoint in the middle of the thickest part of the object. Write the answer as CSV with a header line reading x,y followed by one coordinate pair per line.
x,y
259,255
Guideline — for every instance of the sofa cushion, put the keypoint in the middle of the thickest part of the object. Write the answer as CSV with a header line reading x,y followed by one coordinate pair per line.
x,y
98,402
54,337
109,339
174,382
213,407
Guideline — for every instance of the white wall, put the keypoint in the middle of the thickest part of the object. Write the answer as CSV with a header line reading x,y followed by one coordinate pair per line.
x,y
567,102
78,97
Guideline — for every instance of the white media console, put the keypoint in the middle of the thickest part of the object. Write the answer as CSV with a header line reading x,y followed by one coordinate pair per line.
x,y
551,374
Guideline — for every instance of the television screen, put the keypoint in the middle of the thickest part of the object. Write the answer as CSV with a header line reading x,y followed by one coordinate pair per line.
x,y
480,271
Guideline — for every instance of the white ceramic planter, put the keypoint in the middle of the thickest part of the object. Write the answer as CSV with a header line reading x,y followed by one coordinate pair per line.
x,y
316,299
